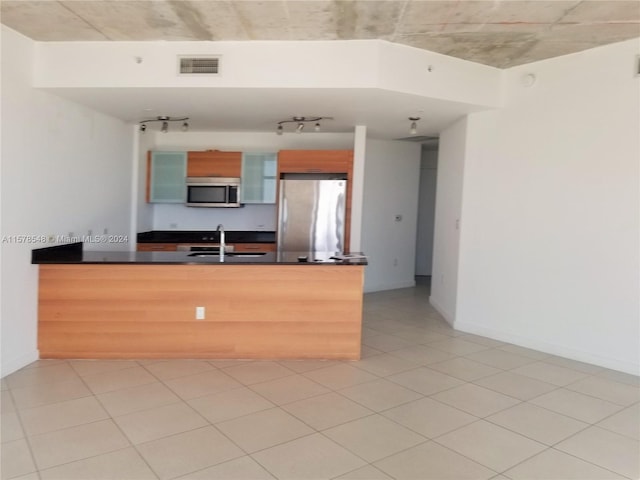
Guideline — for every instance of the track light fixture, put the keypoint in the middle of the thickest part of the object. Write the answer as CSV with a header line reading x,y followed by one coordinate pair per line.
x,y
300,123
165,123
413,129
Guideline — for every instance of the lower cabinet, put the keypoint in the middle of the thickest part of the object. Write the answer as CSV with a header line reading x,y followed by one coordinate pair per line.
x,y
157,247
254,247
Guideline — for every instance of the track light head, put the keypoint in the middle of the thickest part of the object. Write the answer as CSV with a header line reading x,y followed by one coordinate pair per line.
x,y
413,129
300,123
164,119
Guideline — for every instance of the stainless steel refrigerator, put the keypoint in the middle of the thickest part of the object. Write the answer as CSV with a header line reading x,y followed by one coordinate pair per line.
x,y
311,214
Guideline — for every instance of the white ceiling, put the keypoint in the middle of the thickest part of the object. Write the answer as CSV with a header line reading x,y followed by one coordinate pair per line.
x,y
500,33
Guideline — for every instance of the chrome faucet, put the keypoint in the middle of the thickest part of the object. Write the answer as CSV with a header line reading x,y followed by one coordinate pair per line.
x,y
222,244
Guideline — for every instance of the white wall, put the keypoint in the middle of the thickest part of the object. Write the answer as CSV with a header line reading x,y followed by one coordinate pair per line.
x,y
391,183
549,252
267,64
65,169
426,212
357,188
418,71
249,217
446,239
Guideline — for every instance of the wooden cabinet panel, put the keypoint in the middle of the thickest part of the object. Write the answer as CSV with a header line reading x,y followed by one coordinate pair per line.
x,y
214,163
157,247
315,161
255,247
147,311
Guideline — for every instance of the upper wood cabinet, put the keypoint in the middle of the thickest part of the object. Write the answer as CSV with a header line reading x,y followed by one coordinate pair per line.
x,y
214,163
166,177
315,161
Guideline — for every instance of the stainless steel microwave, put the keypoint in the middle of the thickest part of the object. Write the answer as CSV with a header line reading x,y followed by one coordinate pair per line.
x,y
213,192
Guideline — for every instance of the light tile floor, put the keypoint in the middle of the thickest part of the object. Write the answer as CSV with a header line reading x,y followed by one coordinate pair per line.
x,y
425,402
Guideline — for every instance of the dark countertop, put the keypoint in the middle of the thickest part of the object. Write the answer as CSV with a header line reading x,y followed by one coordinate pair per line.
x,y
205,236
73,254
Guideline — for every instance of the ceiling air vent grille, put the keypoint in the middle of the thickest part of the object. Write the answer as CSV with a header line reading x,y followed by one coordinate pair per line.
x,y
199,65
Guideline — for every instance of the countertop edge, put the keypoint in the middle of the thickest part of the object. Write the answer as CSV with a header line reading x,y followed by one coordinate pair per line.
x,y
73,254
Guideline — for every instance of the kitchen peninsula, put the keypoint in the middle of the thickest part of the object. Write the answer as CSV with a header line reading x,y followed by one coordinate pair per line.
x,y
150,304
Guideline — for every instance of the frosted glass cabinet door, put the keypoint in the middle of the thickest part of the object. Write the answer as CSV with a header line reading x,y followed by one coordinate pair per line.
x,y
168,174
259,177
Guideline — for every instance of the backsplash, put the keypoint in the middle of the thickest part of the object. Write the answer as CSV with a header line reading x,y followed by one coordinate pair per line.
x,y
179,217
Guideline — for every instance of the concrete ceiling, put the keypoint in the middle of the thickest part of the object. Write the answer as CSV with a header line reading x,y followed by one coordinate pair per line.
x,y
500,33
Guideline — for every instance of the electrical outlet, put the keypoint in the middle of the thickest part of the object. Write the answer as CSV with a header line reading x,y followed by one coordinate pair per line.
x,y
200,312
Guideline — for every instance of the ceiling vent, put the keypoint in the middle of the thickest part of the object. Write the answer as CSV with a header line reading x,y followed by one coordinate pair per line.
x,y
198,65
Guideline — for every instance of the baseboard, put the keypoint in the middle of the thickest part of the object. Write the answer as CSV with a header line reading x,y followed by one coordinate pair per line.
x,y
388,286
441,310
553,349
17,363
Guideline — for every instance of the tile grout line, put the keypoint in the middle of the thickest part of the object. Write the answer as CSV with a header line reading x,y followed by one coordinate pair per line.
x,y
26,437
132,445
